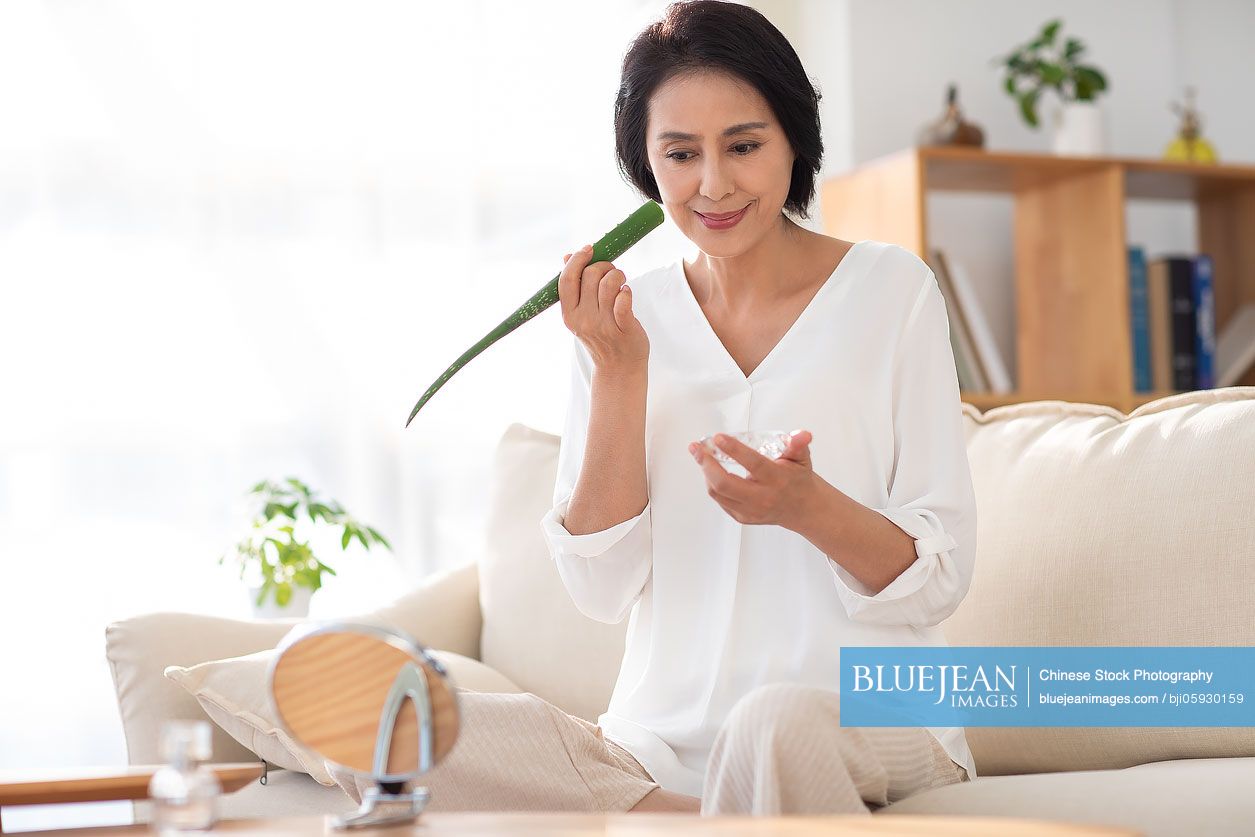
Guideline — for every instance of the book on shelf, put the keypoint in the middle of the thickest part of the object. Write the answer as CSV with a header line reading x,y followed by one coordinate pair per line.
x,y
1204,322
977,360
1139,318
1173,317
1172,311
971,377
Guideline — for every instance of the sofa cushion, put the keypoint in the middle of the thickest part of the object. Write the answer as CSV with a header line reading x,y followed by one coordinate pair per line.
x,y
532,632
1162,799
1100,528
234,692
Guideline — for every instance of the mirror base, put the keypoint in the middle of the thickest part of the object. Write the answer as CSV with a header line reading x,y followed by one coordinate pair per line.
x,y
380,807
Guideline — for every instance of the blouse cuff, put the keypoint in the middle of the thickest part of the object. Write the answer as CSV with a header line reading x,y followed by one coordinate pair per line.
x,y
903,599
588,545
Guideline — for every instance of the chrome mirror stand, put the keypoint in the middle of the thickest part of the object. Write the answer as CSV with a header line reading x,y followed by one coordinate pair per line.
x,y
392,800
385,803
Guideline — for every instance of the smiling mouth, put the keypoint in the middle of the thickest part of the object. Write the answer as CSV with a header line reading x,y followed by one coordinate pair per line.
x,y
723,217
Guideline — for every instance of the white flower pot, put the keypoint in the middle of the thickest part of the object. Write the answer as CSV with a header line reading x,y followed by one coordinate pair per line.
x,y
1080,129
296,608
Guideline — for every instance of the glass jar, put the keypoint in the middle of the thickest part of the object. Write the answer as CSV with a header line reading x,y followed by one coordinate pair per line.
x,y
184,791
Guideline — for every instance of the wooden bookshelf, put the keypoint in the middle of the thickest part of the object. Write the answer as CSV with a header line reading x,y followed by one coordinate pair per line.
x,y
1073,333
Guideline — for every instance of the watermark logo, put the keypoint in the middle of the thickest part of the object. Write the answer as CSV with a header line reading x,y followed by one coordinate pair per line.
x,y
1048,686
963,686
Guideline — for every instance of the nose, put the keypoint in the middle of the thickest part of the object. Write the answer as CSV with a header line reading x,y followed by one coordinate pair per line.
x,y
716,179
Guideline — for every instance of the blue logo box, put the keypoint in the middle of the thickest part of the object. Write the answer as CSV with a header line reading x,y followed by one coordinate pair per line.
x,y
1048,686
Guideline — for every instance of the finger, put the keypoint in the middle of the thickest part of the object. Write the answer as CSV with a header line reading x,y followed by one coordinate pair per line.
x,y
590,287
739,509
704,459
740,512
608,291
753,461
729,500
797,448
623,315
569,289
732,486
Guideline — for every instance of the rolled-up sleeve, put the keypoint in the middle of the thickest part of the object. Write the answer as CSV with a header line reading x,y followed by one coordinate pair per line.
x,y
931,496
604,572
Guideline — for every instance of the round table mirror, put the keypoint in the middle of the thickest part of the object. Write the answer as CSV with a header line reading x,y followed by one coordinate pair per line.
x,y
371,700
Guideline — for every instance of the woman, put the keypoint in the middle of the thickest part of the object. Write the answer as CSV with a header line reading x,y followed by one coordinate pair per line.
x,y
740,590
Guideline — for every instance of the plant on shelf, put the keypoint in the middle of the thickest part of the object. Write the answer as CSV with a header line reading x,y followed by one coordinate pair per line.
x,y
274,553
1043,64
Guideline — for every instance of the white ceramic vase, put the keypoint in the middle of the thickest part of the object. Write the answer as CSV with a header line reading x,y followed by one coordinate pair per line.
x,y
1080,129
296,608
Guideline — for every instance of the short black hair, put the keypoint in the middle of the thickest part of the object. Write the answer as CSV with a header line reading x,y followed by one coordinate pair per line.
x,y
725,37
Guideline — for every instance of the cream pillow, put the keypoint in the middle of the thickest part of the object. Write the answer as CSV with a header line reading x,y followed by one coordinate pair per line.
x,y
566,658
233,693
1100,528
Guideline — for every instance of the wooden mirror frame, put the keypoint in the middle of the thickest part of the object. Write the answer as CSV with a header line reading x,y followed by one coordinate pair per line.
x,y
340,688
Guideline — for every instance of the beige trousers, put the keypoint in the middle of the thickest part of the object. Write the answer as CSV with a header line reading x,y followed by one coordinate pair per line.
x,y
781,750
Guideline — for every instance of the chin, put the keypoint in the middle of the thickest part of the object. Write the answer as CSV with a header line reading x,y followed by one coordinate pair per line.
x,y
716,244
724,242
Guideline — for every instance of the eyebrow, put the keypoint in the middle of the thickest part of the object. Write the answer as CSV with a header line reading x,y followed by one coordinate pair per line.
x,y
735,129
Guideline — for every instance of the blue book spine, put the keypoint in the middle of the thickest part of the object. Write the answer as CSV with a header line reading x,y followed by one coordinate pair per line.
x,y
1139,316
1205,322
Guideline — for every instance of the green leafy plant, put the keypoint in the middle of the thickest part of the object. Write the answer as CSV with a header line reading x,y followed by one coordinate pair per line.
x,y
1043,64
272,547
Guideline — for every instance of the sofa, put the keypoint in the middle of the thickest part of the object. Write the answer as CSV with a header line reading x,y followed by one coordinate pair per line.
x,y
1095,527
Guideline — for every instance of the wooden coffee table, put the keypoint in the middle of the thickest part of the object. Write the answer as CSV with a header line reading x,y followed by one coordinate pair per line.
x,y
54,785
439,824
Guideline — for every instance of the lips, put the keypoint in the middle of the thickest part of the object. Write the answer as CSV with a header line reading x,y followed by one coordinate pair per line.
x,y
722,216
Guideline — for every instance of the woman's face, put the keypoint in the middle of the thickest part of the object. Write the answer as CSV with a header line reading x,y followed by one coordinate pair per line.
x,y
701,167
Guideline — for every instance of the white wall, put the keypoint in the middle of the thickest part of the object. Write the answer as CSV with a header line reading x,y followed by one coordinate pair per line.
x,y
237,241
883,66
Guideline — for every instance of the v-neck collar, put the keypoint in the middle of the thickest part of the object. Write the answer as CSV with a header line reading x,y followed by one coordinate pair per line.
x,y
722,350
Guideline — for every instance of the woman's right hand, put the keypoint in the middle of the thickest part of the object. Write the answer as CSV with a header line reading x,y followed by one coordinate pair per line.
x,y
597,308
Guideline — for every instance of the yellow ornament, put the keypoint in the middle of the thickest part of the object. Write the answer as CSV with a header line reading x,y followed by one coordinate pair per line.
x,y
1189,145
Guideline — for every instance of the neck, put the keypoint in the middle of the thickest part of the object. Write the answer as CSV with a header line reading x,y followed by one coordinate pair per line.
x,y
768,269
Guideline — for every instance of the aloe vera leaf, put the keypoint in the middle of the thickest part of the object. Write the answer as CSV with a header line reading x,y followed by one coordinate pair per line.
x,y
616,242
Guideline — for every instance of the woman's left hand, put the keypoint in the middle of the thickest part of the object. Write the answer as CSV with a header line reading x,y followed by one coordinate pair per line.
x,y
775,491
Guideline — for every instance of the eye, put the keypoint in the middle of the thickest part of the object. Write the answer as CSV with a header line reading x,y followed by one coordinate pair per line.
x,y
750,147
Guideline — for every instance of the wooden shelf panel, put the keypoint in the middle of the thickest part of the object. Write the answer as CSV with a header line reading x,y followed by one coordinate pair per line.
x,y
976,170
1163,180
1071,291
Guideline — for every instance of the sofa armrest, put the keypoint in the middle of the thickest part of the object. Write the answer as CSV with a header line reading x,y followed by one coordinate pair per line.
x,y
140,648
441,613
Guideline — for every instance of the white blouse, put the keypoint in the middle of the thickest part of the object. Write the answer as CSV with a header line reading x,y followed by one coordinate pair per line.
x,y
717,607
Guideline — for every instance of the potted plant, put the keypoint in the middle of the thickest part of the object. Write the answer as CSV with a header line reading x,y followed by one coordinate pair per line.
x,y
1043,64
284,572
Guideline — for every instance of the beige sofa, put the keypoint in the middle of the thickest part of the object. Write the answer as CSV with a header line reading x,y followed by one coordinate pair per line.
x,y
1095,528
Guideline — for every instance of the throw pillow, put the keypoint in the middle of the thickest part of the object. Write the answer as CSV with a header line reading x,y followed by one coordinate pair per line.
x,y
234,694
